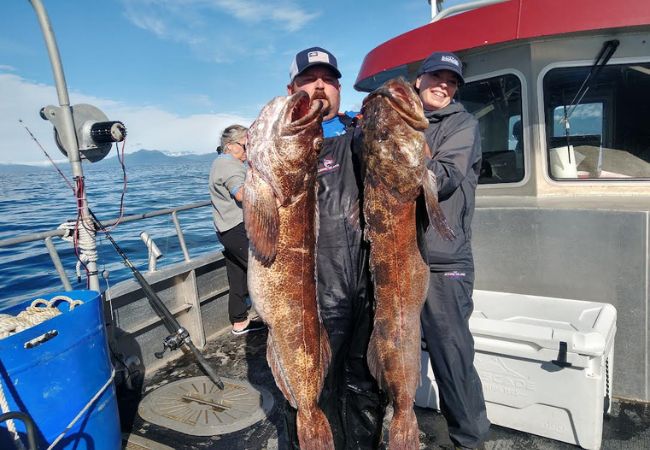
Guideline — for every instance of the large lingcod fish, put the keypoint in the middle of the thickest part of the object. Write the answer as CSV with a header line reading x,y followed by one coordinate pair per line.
x,y
281,218
395,176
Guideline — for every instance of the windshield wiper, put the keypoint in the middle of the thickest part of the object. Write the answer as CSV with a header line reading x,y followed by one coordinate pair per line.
x,y
606,52
609,47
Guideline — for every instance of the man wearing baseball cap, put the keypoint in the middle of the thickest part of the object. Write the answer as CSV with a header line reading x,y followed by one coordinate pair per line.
x,y
350,398
455,159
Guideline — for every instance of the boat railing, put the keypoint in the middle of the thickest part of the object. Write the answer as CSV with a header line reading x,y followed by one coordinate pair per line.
x,y
46,236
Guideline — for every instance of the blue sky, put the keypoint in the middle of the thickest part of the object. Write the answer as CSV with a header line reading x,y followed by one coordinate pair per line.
x,y
178,71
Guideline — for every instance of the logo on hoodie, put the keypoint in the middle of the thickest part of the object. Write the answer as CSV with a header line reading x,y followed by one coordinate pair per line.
x,y
327,165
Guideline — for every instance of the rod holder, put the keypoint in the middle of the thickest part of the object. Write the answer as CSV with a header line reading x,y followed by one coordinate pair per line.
x,y
152,248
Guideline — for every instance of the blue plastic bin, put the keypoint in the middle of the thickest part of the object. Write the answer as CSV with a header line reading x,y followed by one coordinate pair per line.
x,y
53,381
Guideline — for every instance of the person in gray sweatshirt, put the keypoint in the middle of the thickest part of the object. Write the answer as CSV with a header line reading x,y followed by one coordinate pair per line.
x,y
226,182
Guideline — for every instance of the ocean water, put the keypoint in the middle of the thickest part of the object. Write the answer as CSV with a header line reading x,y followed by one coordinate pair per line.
x,y
39,201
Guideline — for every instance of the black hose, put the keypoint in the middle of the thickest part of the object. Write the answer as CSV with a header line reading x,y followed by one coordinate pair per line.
x,y
29,425
159,307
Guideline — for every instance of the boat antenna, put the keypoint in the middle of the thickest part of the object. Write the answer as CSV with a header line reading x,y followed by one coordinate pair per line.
x,y
179,336
436,7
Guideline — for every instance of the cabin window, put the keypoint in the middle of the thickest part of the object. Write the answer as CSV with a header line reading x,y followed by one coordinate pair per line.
x,y
608,137
496,103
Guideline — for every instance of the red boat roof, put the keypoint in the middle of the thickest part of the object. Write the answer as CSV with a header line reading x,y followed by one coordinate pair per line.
x,y
501,22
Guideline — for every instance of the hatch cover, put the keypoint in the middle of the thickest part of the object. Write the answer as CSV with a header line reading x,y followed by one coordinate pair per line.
x,y
197,407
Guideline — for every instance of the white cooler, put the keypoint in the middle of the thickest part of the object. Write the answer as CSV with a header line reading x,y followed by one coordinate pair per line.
x,y
546,364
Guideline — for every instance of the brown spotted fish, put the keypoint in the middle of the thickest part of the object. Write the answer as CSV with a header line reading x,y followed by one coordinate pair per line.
x,y
281,218
395,176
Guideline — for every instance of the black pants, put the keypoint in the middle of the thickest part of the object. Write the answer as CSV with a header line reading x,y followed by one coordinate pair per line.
x,y
350,399
445,324
235,252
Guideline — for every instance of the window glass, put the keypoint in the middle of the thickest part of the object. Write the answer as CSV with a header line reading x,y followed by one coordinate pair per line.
x,y
608,134
496,103
586,119
515,139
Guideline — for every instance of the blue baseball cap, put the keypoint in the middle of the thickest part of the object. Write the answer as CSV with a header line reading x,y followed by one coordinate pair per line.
x,y
442,61
314,56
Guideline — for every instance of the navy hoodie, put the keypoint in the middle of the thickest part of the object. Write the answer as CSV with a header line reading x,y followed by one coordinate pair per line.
x,y
454,140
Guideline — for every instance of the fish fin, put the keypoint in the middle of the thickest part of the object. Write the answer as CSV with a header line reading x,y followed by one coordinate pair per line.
x,y
314,432
261,217
374,364
434,212
278,372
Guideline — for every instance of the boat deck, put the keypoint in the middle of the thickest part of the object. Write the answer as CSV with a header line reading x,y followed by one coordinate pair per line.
x,y
244,358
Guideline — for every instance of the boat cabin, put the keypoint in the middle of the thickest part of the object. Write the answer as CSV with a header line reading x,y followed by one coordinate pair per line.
x,y
561,91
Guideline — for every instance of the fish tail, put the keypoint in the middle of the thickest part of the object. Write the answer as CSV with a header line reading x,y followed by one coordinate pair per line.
x,y
314,432
403,431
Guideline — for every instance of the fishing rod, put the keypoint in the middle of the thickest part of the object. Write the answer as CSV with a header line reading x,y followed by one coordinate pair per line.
x,y
85,131
179,336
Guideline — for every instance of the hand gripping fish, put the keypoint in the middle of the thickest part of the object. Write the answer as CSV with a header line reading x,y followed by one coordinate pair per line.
x,y
395,176
281,219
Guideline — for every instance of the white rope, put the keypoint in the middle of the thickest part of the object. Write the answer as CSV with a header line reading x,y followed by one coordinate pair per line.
x,y
86,240
39,311
11,426
84,409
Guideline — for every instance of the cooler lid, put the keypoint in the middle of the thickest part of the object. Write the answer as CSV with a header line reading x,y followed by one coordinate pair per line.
x,y
587,328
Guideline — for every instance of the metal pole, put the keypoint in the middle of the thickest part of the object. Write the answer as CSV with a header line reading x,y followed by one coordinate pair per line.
x,y
69,136
54,255
181,237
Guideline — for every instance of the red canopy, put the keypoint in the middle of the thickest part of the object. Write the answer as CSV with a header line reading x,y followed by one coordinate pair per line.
x,y
503,22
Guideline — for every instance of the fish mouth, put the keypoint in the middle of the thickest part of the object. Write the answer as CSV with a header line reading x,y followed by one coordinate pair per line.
x,y
402,98
300,112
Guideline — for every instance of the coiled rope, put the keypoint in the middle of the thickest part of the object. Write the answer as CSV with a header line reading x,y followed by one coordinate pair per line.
x,y
39,311
85,241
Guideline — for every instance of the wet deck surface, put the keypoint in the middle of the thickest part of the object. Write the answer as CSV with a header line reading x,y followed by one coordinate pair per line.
x,y
244,358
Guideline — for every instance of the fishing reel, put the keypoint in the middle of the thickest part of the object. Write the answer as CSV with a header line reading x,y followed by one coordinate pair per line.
x,y
94,133
173,342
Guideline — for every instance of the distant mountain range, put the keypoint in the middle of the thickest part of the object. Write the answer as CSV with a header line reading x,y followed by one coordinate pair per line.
x,y
136,158
157,157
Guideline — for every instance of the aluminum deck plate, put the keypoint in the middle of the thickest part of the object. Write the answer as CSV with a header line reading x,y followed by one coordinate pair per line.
x,y
195,406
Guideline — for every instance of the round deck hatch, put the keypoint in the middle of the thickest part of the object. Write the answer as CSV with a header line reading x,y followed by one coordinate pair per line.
x,y
197,407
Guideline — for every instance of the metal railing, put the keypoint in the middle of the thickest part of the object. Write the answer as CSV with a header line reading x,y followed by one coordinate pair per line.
x,y
46,236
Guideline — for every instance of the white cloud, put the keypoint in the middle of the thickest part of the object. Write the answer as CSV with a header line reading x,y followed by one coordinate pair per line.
x,y
147,126
203,101
192,22
148,23
589,111
164,20
6,68
286,14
